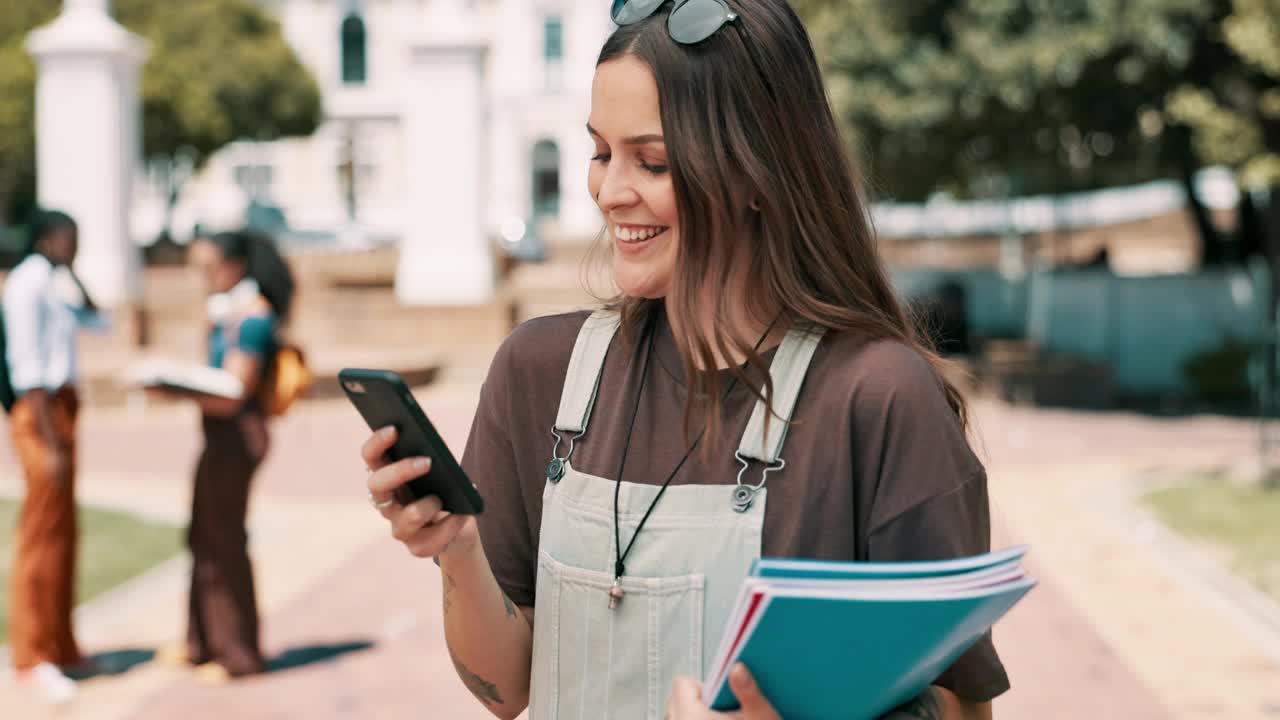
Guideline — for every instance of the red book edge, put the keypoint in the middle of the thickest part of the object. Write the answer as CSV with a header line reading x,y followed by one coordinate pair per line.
x,y
723,671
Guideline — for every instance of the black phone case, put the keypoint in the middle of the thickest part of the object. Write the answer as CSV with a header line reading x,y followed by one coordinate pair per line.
x,y
383,399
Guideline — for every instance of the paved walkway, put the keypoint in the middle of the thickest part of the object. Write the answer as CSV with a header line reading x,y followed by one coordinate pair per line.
x,y
1115,630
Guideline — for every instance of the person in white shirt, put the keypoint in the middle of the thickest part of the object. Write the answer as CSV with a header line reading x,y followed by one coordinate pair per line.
x,y
45,305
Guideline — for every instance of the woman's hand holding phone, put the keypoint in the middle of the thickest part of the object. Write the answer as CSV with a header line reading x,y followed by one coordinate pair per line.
x,y
421,526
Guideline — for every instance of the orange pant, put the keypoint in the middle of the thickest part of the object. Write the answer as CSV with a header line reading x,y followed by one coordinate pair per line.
x,y
42,589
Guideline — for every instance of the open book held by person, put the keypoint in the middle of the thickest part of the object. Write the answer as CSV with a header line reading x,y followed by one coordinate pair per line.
x,y
183,377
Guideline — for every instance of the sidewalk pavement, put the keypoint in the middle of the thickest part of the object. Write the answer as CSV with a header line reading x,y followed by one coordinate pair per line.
x,y
353,621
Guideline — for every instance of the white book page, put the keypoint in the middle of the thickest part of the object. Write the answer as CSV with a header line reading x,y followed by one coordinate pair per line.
x,y
865,569
157,372
728,634
901,594
942,584
721,667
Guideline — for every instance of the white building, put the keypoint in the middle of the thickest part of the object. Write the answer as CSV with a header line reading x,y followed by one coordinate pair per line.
x,y
378,62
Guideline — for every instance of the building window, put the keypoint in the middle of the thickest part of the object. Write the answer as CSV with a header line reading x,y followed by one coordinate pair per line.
x,y
254,179
552,51
553,38
546,179
354,60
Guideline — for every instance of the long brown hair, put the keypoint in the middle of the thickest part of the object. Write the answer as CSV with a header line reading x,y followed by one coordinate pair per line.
x,y
750,134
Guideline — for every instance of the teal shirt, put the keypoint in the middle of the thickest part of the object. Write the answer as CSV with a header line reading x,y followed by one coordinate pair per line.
x,y
257,337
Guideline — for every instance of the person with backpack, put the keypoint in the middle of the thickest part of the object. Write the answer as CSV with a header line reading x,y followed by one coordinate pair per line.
x,y
250,292
45,305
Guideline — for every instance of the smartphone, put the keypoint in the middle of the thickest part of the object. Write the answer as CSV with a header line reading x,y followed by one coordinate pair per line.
x,y
383,399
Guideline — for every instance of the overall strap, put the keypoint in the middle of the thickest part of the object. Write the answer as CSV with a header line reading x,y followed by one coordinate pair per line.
x,y
586,365
790,364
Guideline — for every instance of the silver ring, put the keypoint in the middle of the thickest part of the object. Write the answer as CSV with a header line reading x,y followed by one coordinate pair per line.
x,y
380,505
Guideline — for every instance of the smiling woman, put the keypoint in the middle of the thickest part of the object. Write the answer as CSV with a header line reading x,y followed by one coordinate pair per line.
x,y
630,178
754,318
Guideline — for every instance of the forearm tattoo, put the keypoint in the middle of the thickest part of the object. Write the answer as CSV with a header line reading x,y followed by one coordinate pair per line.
x,y
484,690
449,586
926,706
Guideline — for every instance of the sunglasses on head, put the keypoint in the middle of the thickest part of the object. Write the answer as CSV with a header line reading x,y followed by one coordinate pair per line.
x,y
690,21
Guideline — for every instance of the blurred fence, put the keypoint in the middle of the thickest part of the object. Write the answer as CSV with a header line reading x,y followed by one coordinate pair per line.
x,y
1146,329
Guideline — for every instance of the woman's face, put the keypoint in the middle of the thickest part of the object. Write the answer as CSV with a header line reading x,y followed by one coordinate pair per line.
x,y
629,177
220,274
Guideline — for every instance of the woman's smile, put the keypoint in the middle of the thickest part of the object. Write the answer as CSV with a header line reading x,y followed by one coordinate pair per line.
x,y
635,239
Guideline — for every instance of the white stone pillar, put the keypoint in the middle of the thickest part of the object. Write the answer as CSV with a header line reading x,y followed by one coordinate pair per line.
x,y
579,215
587,28
507,167
445,256
88,139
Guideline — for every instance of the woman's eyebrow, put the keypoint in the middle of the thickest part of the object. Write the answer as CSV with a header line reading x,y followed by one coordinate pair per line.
x,y
633,140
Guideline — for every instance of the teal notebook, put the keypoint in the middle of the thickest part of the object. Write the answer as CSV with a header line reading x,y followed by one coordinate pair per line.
x,y
854,640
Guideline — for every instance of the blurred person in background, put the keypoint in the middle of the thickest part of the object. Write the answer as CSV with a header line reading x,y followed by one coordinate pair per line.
x,y
250,290
45,305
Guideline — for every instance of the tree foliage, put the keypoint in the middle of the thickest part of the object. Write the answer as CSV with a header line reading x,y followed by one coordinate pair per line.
x,y
1236,117
217,71
17,90
988,97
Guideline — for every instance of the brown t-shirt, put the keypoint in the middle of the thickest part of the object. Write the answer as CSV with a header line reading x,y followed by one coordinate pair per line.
x,y
878,467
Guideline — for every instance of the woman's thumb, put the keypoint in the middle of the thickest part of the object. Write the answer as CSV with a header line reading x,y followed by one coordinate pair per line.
x,y
754,704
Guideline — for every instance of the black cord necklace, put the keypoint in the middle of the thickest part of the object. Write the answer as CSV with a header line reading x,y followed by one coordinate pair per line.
x,y
619,567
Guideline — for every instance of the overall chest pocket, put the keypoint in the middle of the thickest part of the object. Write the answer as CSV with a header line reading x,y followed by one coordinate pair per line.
x,y
595,661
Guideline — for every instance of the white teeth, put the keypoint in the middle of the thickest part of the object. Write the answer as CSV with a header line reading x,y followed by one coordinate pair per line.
x,y
626,235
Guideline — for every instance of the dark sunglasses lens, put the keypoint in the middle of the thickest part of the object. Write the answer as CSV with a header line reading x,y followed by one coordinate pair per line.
x,y
697,20
626,12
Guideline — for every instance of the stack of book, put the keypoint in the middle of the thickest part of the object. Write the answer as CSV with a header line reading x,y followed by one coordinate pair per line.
x,y
855,640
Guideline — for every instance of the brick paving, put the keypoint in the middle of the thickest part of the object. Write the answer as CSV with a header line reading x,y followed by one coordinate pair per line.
x,y
362,637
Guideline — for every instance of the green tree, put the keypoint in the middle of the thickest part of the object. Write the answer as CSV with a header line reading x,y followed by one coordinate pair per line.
x,y
985,97
995,97
1236,118
17,78
1235,121
218,71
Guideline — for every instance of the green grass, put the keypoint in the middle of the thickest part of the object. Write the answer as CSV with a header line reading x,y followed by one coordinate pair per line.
x,y
114,547
1242,523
